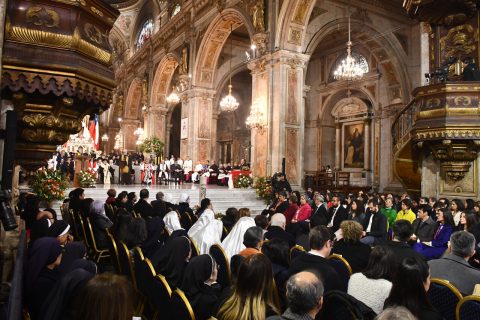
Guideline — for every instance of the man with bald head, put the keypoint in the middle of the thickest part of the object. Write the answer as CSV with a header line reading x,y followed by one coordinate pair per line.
x,y
304,297
276,230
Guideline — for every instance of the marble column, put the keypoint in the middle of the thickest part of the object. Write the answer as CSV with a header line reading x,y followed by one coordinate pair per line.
x,y
338,146
197,107
278,89
155,120
367,146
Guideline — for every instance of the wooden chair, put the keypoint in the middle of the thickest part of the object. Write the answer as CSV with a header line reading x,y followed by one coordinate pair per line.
x,y
159,296
126,262
144,274
98,254
224,276
342,267
72,221
468,308
295,251
138,254
113,249
444,297
181,308
83,231
109,211
193,245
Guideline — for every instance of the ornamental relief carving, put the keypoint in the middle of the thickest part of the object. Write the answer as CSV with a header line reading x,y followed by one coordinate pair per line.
x,y
44,135
40,16
51,121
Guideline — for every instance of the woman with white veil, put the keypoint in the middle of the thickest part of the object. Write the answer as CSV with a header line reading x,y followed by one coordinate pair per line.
x,y
172,223
233,242
206,231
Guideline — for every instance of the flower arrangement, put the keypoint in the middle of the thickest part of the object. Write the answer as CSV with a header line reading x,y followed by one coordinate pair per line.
x,y
86,179
263,189
243,181
49,185
152,145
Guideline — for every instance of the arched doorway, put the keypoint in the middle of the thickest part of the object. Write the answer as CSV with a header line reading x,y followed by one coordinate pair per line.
x,y
175,125
233,136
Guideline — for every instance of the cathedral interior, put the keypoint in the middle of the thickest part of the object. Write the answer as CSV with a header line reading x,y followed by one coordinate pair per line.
x,y
404,118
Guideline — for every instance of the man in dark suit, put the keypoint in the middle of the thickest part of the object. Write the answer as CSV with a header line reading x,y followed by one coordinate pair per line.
x,y
336,214
159,206
276,230
402,231
424,226
374,224
454,267
142,206
319,211
320,247
282,203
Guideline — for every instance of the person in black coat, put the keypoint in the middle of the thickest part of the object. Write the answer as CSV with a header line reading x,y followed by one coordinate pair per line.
x,y
350,247
200,285
320,247
100,222
276,230
159,206
374,225
402,231
319,211
142,206
336,214
282,203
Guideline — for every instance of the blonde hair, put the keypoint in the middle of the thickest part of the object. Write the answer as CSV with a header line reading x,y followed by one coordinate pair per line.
x,y
252,293
244,212
352,230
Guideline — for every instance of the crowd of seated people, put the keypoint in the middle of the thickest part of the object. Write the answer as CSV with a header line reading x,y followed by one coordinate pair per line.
x,y
277,268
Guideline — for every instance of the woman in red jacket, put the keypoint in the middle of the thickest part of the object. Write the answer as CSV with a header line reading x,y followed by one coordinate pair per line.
x,y
304,211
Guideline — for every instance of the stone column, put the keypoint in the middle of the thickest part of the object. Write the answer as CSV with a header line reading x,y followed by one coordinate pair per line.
x,y
338,146
197,107
278,88
167,141
128,127
366,148
155,120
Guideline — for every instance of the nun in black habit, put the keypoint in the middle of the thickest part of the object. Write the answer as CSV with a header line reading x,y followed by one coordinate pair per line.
x,y
171,260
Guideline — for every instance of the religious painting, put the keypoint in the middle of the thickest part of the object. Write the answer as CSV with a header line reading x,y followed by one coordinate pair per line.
x,y
353,145
184,129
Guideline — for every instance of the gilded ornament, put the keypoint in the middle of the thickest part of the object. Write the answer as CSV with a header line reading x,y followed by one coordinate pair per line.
x,y
184,62
96,11
295,36
257,11
93,33
40,16
301,11
459,41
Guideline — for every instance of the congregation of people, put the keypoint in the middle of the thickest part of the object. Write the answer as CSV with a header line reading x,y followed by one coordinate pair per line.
x,y
286,263
131,168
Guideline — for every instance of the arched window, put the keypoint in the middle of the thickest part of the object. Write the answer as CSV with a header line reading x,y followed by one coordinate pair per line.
x,y
362,62
176,10
144,34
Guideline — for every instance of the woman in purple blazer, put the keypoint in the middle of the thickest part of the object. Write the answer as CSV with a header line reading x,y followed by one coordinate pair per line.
x,y
435,248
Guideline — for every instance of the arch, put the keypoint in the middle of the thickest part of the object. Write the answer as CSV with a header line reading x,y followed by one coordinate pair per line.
x,y
293,21
162,79
213,42
149,10
336,97
344,106
134,97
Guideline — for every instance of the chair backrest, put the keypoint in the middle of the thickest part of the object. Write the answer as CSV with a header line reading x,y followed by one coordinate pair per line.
x,y
126,262
342,267
144,274
91,236
109,211
113,248
73,222
193,245
444,297
339,305
138,254
224,276
83,230
224,233
181,308
159,294
468,308
295,251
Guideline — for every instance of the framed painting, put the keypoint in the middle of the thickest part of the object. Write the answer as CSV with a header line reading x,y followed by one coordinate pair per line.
x,y
353,145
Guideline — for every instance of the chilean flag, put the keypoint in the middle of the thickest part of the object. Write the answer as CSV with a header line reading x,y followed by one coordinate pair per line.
x,y
94,131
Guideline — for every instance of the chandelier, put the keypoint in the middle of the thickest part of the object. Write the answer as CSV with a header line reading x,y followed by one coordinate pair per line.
x,y
349,69
229,103
173,97
255,119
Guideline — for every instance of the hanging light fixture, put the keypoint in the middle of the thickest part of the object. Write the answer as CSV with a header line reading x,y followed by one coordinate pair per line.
x,y
229,103
255,119
348,69
173,97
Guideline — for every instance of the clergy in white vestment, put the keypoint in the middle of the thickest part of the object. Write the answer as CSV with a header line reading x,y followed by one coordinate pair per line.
x,y
196,174
188,165
207,216
233,242
172,223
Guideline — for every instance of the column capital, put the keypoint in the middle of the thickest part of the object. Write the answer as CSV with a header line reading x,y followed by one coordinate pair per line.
x,y
200,92
294,59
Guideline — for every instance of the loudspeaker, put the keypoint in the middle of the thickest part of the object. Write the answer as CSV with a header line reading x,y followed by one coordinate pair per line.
x,y
283,165
9,149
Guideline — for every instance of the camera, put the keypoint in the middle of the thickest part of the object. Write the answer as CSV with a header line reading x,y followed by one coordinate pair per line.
x,y
7,216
